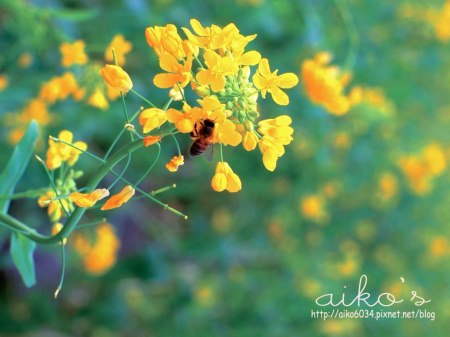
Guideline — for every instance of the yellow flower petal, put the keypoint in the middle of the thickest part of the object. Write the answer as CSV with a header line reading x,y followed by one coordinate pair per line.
x,y
119,199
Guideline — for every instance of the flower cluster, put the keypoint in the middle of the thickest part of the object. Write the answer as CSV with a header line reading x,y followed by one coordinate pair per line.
x,y
214,62
438,18
82,83
423,168
325,85
61,199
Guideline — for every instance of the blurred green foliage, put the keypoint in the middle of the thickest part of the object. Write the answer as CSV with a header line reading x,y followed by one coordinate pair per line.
x,y
252,263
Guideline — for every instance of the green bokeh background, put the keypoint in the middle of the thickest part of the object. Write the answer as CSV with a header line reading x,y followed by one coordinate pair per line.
x,y
247,264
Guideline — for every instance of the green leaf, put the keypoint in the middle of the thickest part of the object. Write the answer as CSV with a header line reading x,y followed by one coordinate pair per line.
x,y
22,250
17,164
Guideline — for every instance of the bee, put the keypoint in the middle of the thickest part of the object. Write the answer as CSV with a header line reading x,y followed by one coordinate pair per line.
x,y
203,135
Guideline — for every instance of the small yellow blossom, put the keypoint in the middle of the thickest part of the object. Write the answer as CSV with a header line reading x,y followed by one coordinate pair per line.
x,y
100,256
54,207
218,68
151,119
225,179
121,47
116,77
439,246
59,152
86,200
276,134
166,40
271,82
174,163
3,82
73,53
119,199
177,74
150,140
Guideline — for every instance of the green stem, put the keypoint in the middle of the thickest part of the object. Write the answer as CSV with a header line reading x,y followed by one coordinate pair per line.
x,y
75,217
352,32
143,98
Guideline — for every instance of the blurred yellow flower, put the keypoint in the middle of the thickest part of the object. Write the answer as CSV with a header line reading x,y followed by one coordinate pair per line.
x,y
73,53
59,152
117,200
439,246
270,82
121,47
3,82
421,169
100,256
98,100
325,85
88,199
116,77
174,163
387,186
225,179
312,208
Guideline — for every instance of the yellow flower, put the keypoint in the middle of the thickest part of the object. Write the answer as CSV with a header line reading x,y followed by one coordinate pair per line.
x,y
119,199
150,140
178,74
325,85
166,40
116,77
59,88
441,22
276,133
271,82
152,118
174,163
54,207
56,228
98,100
100,256
59,152
121,48
36,109
225,179
3,82
218,68
73,53
86,200
184,121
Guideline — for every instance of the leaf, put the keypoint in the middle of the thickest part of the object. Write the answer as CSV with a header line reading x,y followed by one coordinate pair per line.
x,y
17,164
22,250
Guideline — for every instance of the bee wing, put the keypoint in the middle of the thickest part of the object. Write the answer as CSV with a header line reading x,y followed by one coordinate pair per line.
x,y
209,155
